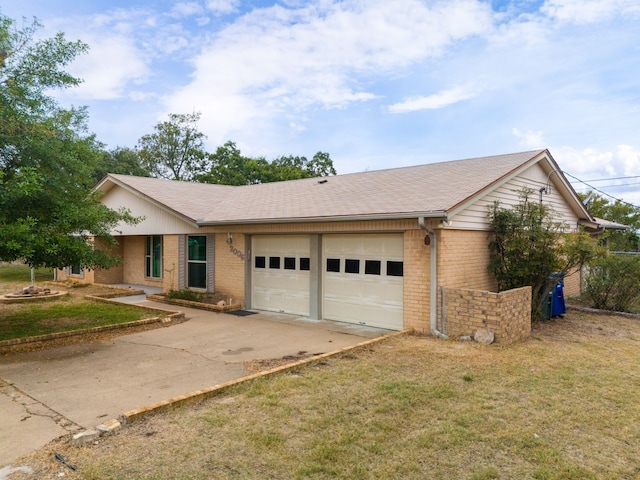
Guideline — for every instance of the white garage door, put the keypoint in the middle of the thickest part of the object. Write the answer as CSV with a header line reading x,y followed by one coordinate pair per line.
x,y
363,277
280,273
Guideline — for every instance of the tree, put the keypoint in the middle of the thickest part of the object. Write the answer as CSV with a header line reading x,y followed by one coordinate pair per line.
x,y
615,211
120,160
47,210
229,167
528,244
176,150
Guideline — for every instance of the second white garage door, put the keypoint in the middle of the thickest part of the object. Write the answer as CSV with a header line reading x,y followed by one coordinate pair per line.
x,y
280,270
363,279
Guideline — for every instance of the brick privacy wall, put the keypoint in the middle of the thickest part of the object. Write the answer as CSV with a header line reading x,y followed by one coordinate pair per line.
x,y
507,313
229,267
463,260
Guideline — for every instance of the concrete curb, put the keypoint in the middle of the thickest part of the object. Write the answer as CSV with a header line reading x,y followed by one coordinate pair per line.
x,y
199,395
602,312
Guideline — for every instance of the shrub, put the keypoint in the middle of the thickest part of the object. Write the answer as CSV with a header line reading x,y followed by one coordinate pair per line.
x,y
612,283
184,294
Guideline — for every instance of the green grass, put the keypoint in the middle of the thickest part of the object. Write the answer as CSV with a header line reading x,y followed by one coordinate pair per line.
x,y
68,313
39,319
22,273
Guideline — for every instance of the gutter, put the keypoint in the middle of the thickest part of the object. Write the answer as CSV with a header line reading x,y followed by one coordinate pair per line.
x,y
334,218
433,277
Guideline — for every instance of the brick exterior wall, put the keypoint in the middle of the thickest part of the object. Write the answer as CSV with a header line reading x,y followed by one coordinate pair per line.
x,y
114,274
416,281
463,260
507,313
230,262
169,262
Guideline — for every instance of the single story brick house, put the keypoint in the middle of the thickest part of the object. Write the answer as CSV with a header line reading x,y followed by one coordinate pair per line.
x,y
369,248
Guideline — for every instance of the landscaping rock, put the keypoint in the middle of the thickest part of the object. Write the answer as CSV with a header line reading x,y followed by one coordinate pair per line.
x,y
108,427
484,335
88,436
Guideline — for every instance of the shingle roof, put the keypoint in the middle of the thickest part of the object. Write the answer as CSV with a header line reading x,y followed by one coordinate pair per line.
x,y
417,190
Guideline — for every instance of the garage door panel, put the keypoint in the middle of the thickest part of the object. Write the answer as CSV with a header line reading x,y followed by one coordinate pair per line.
x,y
362,291
280,289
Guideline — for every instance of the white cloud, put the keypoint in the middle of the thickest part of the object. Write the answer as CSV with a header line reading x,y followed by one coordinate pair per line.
x,y
630,160
529,139
221,7
322,55
435,101
588,11
113,63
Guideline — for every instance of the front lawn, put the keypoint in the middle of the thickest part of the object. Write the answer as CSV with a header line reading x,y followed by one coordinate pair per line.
x,y
561,405
72,312
28,320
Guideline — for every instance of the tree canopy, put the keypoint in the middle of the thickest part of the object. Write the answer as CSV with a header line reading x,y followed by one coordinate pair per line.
x,y
47,210
228,166
175,150
615,211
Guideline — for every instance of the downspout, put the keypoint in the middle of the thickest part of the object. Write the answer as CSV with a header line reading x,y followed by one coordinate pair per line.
x,y
433,278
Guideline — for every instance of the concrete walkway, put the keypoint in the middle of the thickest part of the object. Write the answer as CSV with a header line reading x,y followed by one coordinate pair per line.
x,y
52,392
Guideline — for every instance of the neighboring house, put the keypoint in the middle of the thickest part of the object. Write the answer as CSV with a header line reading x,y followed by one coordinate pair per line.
x,y
367,248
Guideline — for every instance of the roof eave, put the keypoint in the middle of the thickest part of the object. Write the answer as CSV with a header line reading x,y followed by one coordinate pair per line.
x,y
334,218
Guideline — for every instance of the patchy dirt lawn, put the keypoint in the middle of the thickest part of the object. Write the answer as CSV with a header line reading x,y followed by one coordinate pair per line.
x,y
562,405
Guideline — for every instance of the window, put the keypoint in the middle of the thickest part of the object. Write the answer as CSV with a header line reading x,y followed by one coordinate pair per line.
x,y
76,269
274,262
372,267
289,263
395,269
352,266
333,264
153,256
197,261
261,262
304,263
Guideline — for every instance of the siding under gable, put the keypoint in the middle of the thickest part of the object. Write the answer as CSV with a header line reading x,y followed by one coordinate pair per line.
x,y
156,220
475,216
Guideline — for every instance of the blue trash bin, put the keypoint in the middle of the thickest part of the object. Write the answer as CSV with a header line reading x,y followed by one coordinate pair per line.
x,y
558,307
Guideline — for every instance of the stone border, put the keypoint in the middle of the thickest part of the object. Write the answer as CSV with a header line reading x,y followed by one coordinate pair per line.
x,y
169,316
32,299
199,305
602,312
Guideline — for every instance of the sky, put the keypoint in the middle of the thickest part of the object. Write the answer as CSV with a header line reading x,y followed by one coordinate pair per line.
x,y
375,83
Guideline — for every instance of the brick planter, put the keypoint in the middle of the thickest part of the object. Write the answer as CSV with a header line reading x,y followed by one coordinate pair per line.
x,y
188,303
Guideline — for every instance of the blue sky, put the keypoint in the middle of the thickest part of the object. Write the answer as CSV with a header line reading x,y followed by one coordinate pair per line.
x,y
376,83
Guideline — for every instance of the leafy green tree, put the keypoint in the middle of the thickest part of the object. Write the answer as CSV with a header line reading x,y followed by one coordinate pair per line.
x,y
47,210
615,211
121,160
228,166
528,244
175,150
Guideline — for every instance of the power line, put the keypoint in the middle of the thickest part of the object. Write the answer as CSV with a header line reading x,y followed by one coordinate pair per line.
x,y
600,191
612,178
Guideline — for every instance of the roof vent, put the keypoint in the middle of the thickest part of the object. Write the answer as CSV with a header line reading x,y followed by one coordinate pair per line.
x,y
324,180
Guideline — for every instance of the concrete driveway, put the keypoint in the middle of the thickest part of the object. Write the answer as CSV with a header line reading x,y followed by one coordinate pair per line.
x,y
52,392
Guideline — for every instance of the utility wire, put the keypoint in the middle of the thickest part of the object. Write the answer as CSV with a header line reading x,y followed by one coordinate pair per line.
x,y
607,179
600,191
